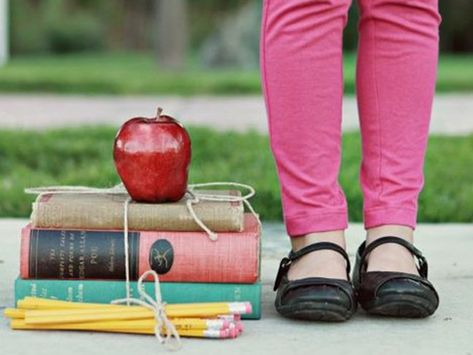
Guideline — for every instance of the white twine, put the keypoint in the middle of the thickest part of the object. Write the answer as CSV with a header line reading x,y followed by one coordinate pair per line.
x,y
164,329
127,250
171,340
196,197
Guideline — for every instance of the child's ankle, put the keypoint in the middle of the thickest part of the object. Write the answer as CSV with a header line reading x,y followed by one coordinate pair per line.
x,y
337,237
395,230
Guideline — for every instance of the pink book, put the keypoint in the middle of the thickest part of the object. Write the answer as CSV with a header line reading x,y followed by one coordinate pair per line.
x,y
75,254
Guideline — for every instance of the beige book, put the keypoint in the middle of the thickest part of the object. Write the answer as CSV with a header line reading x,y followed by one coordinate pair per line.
x,y
105,211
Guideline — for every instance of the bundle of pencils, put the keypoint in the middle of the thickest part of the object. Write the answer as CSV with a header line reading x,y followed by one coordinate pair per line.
x,y
204,320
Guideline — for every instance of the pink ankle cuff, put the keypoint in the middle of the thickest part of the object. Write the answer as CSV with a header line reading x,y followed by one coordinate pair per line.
x,y
390,215
319,222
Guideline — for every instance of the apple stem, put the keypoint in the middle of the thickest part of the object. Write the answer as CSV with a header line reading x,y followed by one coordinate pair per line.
x,y
158,112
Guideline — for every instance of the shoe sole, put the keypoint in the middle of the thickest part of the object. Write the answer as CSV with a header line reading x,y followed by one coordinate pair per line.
x,y
315,311
401,306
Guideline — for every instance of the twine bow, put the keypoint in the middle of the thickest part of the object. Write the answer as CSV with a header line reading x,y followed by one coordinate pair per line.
x,y
164,330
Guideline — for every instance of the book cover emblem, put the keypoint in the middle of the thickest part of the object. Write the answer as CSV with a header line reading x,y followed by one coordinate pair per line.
x,y
161,256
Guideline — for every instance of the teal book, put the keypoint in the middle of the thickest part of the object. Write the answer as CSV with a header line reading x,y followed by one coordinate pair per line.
x,y
92,291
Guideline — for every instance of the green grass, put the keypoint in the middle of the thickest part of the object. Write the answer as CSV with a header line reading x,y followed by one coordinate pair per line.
x,y
83,157
121,73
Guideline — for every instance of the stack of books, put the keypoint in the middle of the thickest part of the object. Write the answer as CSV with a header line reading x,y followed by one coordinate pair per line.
x,y
73,250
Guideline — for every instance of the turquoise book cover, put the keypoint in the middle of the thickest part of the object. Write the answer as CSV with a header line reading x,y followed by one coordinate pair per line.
x,y
172,292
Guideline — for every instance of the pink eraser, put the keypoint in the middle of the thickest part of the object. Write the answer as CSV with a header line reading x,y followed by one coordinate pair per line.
x,y
225,333
234,333
239,326
225,323
248,308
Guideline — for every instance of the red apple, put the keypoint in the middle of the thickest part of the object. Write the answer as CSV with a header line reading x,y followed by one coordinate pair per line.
x,y
152,157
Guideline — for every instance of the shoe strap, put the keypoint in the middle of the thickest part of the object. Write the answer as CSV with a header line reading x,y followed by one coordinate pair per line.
x,y
366,249
294,255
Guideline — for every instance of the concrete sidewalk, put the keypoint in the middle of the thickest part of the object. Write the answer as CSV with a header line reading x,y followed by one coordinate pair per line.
x,y
449,331
452,113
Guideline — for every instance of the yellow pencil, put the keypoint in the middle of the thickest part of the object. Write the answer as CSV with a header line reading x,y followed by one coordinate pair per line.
x,y
199,323
81,315
123,327
43,303
85,315
14,313
136,325
183,323
127,313
217,334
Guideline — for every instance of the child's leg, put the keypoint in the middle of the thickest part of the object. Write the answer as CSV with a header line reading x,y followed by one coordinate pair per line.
x,y
301,64
396,73
397,63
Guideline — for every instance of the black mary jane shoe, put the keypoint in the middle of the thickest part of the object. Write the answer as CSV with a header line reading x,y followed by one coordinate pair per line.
x,y
394,294
314,298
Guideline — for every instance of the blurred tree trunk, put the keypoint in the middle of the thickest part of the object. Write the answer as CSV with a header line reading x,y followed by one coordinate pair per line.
x,y
457,26
172,33
4,47
134,24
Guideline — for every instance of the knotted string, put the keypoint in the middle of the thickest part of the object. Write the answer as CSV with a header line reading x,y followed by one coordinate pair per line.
x,y
164,329
196,197
171,340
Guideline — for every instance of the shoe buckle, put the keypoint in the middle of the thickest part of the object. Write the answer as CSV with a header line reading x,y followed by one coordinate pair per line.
x,y
423,266
283,267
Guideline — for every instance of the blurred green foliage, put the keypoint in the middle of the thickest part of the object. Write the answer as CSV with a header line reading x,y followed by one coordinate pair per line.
x,y
457,25
79,33
135,73
84,157
58,26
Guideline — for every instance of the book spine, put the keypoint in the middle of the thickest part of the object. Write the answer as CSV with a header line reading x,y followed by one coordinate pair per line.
x,y
106,291
175,256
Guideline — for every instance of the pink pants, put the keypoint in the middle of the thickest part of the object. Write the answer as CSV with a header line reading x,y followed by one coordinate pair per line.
x,y
301,63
